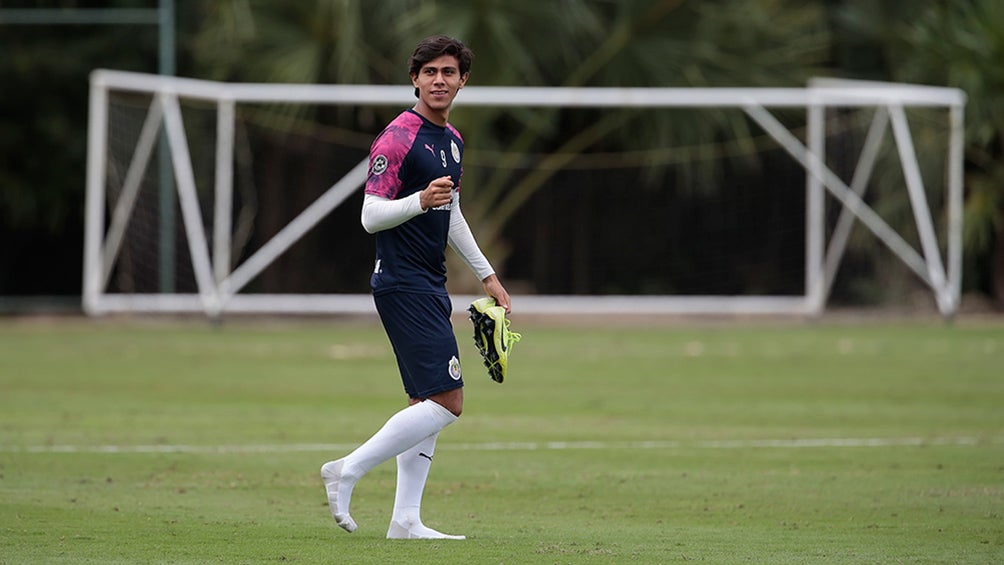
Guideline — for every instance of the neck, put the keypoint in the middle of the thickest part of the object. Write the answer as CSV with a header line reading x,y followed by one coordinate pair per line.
x,y
438,117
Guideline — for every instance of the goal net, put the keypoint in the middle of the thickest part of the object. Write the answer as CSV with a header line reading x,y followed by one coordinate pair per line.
x,y
214,197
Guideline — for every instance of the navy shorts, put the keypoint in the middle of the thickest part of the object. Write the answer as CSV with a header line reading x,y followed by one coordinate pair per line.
x,y
421,334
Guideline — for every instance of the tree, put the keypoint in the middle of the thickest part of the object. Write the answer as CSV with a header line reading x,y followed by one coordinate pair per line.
x,y
959,44
581,43
631,43
44,72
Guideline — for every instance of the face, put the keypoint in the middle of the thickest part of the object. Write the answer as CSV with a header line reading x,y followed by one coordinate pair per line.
x,y
438,83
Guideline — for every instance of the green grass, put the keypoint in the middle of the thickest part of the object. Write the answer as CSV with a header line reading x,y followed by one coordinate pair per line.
x,y
617,445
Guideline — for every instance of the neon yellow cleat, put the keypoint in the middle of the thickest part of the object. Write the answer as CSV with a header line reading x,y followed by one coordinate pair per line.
x,y
492,336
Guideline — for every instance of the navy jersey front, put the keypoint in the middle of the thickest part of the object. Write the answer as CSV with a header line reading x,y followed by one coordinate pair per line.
x,y
407,155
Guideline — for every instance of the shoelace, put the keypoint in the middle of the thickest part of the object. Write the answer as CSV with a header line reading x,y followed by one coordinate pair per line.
x,y
510,337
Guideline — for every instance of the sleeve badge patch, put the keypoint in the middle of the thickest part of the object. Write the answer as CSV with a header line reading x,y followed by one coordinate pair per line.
x,y
379,164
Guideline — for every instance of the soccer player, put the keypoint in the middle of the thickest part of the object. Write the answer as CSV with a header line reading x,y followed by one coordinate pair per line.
x,y
412,204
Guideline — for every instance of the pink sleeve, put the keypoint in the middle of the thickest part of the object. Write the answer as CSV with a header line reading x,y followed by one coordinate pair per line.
x,y
387,155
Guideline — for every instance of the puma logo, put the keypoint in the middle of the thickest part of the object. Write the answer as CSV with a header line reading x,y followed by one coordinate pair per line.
x,y
429,457
431,150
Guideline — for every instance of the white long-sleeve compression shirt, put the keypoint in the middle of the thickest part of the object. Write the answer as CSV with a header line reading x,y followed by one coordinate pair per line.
x,y
380,214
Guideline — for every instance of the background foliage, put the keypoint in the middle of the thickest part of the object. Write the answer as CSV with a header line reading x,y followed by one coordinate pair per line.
x,y
562,43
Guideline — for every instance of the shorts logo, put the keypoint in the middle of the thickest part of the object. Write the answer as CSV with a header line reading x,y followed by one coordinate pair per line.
x,y
455,150
455,368
379,164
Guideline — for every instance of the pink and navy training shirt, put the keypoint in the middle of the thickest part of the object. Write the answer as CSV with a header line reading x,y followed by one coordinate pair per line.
x,y
407,155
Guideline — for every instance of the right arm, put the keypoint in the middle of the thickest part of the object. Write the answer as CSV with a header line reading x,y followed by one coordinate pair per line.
x,y
381,213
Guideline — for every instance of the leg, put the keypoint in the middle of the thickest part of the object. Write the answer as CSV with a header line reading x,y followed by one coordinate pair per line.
x,y
425,346
412,472
401,432
452,400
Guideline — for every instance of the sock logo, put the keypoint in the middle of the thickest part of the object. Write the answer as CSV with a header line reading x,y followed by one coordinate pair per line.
x,y
429,457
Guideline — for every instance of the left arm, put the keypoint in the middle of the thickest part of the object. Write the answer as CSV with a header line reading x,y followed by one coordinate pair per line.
x,y
462,241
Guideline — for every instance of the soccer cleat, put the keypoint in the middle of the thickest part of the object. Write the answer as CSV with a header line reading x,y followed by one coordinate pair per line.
x,y
492,336
416,531
339,494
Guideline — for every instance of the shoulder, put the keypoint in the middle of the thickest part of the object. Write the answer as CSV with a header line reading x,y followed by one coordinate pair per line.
x,y
399,135
455,132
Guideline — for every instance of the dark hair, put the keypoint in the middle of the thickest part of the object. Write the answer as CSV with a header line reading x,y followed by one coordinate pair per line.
x,y
435,46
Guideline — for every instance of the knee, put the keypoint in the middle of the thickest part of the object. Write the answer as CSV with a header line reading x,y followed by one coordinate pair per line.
x,y
454,405
451,400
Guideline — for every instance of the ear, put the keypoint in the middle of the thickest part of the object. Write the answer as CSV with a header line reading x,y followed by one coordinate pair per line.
x,y
414,80
463,79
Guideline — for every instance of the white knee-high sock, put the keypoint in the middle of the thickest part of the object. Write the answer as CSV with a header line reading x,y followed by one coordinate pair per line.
x,y
412,471
401,432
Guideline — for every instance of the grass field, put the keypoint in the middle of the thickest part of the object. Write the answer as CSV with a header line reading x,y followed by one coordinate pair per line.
x,y
131,441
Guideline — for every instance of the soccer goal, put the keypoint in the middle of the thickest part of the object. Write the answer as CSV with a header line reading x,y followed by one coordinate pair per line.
x,y
170,159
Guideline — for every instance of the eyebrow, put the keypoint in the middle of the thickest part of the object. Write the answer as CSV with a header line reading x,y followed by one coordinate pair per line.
x,y
433,68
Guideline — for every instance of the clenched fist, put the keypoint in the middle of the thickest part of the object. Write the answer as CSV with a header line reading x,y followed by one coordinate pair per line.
x,y
438,193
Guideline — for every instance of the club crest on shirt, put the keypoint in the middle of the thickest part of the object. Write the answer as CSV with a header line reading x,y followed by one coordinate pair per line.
x,y
455,368
379,164
456,151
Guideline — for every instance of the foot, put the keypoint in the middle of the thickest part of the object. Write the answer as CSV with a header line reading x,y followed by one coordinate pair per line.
x,y
339,494
415,530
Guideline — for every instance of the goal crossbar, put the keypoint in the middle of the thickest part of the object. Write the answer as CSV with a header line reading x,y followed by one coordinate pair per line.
x,y
828,92
219,287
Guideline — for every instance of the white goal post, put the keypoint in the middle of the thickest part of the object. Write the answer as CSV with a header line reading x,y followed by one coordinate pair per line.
x,y
219,287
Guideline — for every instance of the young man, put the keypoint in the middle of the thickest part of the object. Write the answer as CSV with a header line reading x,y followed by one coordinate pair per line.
x,y
412,204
